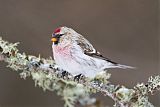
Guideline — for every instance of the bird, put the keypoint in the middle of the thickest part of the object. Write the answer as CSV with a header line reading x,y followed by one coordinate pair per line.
x,y
75,54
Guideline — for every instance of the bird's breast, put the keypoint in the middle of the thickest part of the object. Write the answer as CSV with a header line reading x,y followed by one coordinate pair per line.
x,y
62,51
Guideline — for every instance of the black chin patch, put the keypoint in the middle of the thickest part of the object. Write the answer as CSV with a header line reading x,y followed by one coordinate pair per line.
x,y
56,43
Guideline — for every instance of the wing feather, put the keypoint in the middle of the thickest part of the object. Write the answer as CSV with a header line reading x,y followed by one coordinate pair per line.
x,y
89,50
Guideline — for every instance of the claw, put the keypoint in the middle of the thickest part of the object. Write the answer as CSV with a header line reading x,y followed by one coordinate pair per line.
x,y
78,77
64,73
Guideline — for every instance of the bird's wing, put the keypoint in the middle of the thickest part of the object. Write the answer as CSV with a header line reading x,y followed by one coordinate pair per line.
x,y
89,50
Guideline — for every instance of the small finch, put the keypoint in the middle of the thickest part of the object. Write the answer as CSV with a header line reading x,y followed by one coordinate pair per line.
x,y
76,55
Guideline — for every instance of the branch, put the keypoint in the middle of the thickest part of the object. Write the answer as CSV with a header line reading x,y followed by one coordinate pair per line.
x,y
49,76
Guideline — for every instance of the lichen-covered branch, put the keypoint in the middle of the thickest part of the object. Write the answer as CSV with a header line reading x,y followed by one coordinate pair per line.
x,y
49,76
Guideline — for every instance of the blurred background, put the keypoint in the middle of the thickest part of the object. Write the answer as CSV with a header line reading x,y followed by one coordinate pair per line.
x,y
125,31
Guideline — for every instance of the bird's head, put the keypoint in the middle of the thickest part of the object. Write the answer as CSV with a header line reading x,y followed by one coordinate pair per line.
x,y
56,35
61,33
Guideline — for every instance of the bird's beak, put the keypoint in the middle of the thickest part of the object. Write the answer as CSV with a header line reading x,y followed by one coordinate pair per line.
x,y
54,39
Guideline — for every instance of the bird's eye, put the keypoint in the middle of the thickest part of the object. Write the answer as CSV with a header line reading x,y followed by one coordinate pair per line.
x,y
61,35
57,35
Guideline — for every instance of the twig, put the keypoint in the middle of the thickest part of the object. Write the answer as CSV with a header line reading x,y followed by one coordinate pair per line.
x,y
49,76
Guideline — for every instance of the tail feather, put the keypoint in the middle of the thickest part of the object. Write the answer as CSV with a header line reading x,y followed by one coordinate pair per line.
x,y
119,66
124,66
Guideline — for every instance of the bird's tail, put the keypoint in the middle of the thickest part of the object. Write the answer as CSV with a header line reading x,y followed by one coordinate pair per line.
x,y
124,66
120,66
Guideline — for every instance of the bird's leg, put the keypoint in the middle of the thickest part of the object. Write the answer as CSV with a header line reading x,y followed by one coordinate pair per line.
x,y
78,77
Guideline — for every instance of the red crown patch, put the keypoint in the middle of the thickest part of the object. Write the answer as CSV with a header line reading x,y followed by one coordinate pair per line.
x,y
57,30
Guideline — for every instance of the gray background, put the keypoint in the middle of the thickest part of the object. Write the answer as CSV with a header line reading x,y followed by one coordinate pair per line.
x,y
125,31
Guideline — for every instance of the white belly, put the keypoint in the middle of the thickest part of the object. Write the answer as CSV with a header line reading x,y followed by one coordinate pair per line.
x,y
69,65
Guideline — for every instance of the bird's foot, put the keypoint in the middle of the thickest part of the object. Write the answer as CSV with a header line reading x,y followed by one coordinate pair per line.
x,y
78,77
64,74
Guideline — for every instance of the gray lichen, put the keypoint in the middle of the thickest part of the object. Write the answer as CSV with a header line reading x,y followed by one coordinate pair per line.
x,y
49,76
